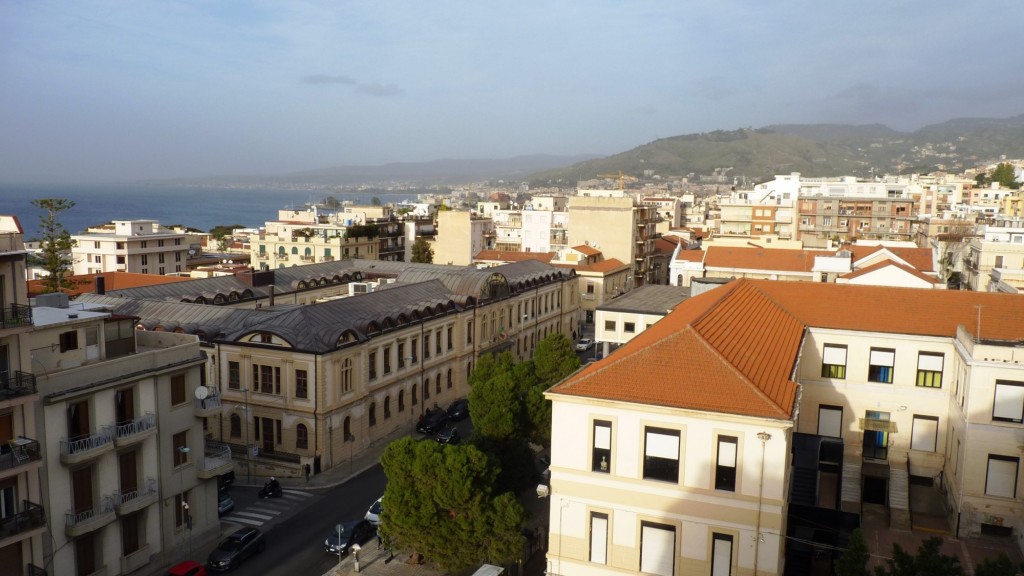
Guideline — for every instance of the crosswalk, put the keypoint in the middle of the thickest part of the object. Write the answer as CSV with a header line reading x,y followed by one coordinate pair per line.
x,y
265,510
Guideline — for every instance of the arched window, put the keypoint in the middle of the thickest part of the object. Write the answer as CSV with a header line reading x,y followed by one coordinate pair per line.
x,y
295,250
449,378
437,384
679,280
308,252
347,429
373,413
236,426
401,400
301,437
426,389
346,375
469,370
414,397
387,407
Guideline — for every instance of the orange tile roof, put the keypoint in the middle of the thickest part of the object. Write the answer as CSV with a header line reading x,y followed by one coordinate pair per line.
x,y
508,256
885,264
732,349
690,256
750,258
586,250
86,283
604,266
919,258
664,245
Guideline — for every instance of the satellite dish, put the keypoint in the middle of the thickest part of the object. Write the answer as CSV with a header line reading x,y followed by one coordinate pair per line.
x,y
202,392
191,252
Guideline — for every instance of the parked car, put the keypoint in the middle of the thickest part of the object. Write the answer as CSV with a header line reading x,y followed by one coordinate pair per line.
x,y
235,549
449,435
584,344
225,480
345,534
224,504
458,410
373,514
187,568
432,421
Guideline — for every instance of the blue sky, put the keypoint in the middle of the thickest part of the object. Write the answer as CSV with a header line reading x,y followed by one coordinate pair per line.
x,y
98,91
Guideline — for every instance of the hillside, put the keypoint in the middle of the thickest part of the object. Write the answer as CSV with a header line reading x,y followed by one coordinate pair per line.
x,y
812,149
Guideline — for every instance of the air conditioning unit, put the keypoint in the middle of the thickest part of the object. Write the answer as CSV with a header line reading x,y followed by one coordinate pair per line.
x,y
359,288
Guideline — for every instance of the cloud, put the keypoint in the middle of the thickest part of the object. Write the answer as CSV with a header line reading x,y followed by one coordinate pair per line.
x,y
326,79
379,90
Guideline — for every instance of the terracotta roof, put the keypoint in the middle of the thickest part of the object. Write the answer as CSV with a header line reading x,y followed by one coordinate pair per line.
x,y
586,250
609,265
919,258
507,256
663,245
86,283
887,263
732,349
691,255
750,258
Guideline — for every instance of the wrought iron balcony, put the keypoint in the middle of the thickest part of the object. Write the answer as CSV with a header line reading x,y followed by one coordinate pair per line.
x,y
16,316
16,453
134,431
16,383
129,501
79,523
208,406
82,448
216,460
32,516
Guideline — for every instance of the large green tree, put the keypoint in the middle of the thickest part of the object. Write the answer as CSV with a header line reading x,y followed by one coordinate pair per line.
x,y
422,253
854,561
1003,174
56,243
1001,566
440,501
929,560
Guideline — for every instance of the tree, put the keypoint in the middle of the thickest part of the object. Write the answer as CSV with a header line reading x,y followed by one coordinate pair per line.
x,y
1003,174
422,252
554,359
1001,566
854,561
224,229
928,561
56,244
441,499
375,201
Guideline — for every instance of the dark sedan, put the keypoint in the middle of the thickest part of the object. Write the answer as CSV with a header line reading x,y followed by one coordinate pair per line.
x,y
240,545
344,535
432,421
458,410
449,435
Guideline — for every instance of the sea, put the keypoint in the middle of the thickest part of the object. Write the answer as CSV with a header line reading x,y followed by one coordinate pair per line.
x,y
195,206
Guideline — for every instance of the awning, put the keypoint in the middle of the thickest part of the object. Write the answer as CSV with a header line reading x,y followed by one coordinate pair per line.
x,y
878,425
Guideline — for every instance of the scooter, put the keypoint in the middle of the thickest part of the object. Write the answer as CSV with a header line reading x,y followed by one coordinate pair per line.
x,y
268,492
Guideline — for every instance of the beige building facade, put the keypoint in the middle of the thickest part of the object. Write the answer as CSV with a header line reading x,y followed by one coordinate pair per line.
x,y
140,246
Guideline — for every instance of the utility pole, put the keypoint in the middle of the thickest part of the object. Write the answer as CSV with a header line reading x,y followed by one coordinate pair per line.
x,y
764,437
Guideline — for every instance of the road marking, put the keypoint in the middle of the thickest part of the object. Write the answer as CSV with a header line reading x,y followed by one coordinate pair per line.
x,y
234,520
255,515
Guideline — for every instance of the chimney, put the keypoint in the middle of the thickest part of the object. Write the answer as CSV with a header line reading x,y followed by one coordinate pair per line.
x,y
271,292
101,285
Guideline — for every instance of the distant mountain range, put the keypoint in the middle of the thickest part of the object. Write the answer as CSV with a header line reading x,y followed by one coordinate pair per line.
x,y
746,155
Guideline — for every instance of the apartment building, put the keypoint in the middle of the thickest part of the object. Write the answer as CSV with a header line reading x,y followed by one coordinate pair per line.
x,y
140,246
317,384
23,518
460,236
998,252
757,412
314,234
618,227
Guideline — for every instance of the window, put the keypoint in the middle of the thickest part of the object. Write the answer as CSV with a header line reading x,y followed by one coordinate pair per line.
x,y
602,456
426,346
830,421
301,437
661,454
833,361
372,365
130,533
160,258
630,327
69,340
437,342
180,512
451,340
236,426
609,325
924,433
929,370
725,467
437,384
426,389
178,389
414,397
301,384
1001,479
373,414
234,375
721,554
387,359
469,332
268,378
449,378
880,365
657,549
401,400
179,441
1009,401
346,375
401,355
160,243
387,407
598,538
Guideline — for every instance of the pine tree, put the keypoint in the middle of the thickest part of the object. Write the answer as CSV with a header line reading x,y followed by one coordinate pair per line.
x,y
56,244
422,253
854,561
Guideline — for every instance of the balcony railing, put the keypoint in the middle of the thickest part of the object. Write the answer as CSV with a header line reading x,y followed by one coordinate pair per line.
x,y
130,501
32,516
134,430
78,523
16,383
16,315
18,452
83,447
209,405
216,460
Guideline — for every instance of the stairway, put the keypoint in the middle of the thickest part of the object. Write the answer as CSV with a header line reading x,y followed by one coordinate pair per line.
x,y
851,487
899,497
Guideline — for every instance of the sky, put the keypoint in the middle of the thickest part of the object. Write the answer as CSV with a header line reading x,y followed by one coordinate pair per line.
x,y
96,91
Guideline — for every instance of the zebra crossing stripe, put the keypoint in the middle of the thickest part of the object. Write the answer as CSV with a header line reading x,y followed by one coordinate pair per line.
x,y
246,513
235,520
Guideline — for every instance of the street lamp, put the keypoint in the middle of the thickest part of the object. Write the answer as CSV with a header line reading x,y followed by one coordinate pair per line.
x,y
764,437
183,450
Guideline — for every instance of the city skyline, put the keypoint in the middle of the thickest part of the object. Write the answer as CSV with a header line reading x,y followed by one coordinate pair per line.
x,y
102,92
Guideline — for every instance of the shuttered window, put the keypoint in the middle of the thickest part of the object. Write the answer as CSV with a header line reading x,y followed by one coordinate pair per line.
x,y
657,549
1008,405
1002,476
833,361
598,538
830,421
881,364
926,430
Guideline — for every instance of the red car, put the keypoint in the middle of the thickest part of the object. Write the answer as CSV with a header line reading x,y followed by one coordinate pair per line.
x,y
187,568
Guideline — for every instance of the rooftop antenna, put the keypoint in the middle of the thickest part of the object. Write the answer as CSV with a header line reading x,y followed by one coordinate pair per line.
x,y
978,334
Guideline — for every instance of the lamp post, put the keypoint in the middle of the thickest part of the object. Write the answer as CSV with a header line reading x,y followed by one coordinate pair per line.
x,y
764,437
248,449
183,450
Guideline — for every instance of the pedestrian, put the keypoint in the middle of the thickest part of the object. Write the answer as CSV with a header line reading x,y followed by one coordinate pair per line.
x,y
306,468
380,541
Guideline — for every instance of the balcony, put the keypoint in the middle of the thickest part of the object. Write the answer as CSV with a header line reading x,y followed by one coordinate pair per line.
x,y
327,259
262,256
209,406
130,501
79,523
15,383
282,257
83,448
216,460
308,258
136,560
18,456
16,316
135,431
21,525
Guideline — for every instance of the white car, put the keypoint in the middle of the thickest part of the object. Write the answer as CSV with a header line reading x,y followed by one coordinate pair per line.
x,y
584,344
373,514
